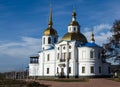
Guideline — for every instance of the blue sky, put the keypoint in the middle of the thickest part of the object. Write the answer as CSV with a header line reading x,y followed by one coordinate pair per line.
x,y
22,23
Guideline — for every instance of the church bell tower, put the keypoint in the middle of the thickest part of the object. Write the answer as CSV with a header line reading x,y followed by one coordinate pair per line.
x,y
50,36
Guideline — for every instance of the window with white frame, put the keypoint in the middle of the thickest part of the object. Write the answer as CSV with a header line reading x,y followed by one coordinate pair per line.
x,y
48,71
69,70
48,57
91,54
69,55
92,69
83,69
58,55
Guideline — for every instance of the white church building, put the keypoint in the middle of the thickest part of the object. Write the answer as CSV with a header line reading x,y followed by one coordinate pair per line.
x,y
72,56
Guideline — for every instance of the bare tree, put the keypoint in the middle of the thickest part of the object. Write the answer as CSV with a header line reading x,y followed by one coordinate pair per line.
x,y
112,48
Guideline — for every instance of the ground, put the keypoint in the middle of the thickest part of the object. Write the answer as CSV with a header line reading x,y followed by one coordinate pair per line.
x,y
91,83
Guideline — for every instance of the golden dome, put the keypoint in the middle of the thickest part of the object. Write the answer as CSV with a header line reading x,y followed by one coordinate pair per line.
x,y
74,23
50,31
74,36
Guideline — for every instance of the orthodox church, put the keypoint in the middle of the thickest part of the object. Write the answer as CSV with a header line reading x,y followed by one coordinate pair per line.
x,y
72,56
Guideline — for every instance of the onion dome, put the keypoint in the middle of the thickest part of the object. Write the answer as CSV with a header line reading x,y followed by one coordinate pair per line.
x,y
75,36
50,30
74,22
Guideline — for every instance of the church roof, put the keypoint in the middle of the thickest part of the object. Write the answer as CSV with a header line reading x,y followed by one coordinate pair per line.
x,y
88,44
74,36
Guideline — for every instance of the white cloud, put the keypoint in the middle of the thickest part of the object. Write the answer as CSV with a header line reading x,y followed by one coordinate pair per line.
x,y
102,27
26,47
102,33
14,55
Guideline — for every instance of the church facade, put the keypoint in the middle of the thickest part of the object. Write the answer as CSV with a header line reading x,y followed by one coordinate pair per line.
x,y
72,56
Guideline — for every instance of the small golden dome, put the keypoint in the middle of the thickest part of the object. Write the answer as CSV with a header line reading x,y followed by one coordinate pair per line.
x,y
74,36
74,23
50,31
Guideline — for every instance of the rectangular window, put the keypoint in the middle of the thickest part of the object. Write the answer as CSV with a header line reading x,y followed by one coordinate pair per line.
x,y
62,70
64,56
69,69
92,69
57,69
58,56
48,57
69,55
47,70
100,69
43,40
83,69
91,54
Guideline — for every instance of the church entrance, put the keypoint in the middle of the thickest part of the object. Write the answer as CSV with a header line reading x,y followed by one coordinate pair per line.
x,y
62,73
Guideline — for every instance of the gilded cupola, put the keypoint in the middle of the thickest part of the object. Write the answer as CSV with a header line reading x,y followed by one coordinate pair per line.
x,y
50,30
74,31
74,36
74,22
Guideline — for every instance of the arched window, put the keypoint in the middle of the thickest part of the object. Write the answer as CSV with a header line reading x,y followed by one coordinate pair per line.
x,y
70,29
48,70
74,29
91,54
48,57
49,40
69,47
44,40
55,40
57,69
